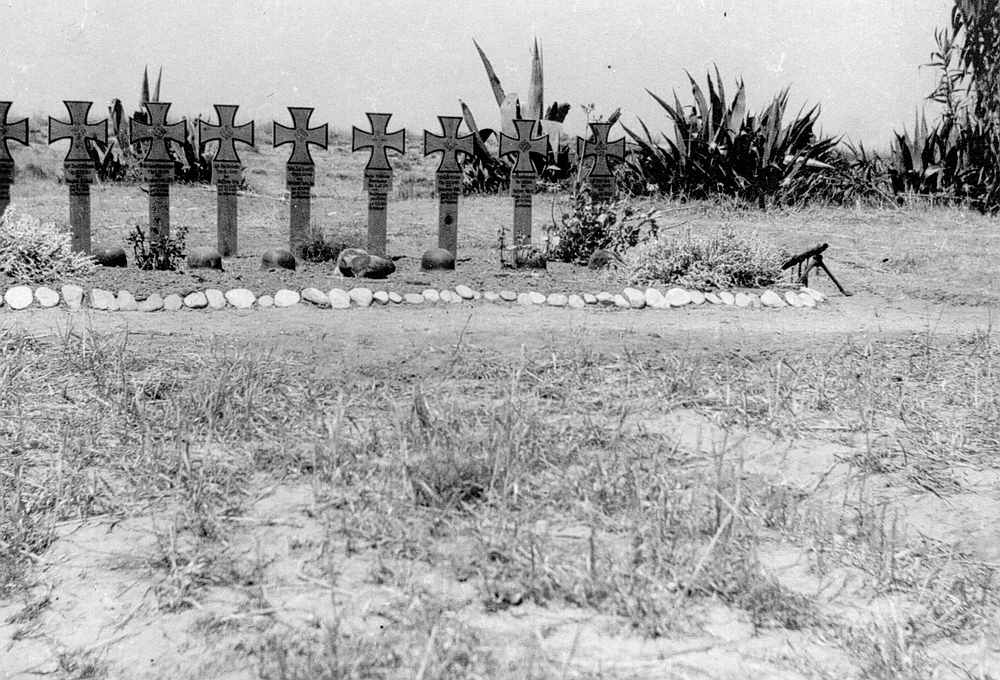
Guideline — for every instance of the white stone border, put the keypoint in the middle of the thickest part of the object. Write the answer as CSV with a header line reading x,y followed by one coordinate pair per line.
x,y
74,297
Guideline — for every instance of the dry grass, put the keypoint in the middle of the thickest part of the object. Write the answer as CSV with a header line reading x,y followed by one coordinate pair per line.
x,y
540,483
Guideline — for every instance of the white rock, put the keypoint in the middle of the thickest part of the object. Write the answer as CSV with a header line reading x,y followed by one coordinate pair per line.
x,y
556,300
126,301
454,298
589,299
713,298
754,300
102,299
395,298
741,300
338,298
576,302
73,295
807,300
605,298
792,298
622,301
286,298
697,297
315,296
216,300
814,294
636,298
524,299
265,301
431,295
414,298
536,298
19,297
362,297
476,295
508,295
677,297
447,296
153,303
654,298
46,297
465,292
173,302
727,297
490,296
771,299
195,300
241,298
381,297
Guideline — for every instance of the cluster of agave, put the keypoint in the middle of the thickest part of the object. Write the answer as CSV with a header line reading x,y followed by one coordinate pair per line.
x,y
118,160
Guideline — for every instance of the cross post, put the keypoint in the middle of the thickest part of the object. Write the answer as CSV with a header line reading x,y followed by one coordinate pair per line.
x,y
300,170
449,177
78,165
227,171
378,173
600,177
158,164
9,131
522,177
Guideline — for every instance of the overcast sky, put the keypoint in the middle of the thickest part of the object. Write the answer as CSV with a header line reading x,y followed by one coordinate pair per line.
x,y
860,59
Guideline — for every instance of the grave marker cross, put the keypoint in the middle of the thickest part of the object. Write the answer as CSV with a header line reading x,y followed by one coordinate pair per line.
x,y
522,177
18,132
158,164
449,177
602,180
226,170
300,170
78,165
378,173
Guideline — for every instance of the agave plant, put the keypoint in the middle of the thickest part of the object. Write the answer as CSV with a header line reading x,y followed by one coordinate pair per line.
x,y
485,172
719,147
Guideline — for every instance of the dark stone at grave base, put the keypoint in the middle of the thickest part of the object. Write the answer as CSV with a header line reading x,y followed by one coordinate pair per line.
x,y
278,258
110,257
601,259
373,267
346,260
437,258
204,257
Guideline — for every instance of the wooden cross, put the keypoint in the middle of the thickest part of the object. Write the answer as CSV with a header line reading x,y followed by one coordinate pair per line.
x,y
522,177
300,170
449,177
602,180
378,173
78,165
158,163
18,132
226,170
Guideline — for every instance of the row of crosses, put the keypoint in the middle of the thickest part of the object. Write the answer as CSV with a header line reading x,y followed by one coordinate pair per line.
x,y
158,167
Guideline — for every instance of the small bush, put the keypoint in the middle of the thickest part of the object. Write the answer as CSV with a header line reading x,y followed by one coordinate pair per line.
x,y
164,255
32,251
321,247
722,260
590,225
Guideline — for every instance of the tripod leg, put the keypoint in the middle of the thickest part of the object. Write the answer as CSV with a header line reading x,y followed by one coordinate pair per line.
x,y
804,279
834,279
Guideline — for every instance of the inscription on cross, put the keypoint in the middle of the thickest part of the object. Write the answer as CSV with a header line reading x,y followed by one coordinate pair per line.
x,y
449,176
16,131
78,165
522,177
300,170
602,180
227,170
378,173
158,164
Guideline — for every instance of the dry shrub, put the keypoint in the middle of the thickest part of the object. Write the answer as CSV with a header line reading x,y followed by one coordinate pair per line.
x,y
33,251
725,259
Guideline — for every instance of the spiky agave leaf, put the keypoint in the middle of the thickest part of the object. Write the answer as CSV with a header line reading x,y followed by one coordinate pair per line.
x,y
535,105
156,89
491,74
144,91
